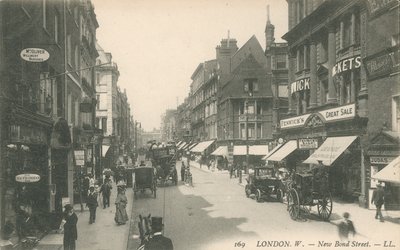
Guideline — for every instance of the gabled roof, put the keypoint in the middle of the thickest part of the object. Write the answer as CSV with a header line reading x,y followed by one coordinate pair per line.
x,y
252,46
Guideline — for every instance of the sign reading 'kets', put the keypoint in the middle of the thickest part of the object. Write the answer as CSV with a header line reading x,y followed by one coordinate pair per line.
x,y
346,64
26,178
35,55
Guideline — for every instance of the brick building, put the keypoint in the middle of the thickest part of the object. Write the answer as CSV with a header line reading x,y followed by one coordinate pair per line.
x,y
329,116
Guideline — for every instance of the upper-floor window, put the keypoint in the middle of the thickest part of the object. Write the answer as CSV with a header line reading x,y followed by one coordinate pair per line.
x,y
57,27
300,59
396,113
303,102
69,50
250,86
45,10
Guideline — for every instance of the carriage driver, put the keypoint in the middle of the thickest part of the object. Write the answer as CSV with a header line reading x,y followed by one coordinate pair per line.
x,y
320,177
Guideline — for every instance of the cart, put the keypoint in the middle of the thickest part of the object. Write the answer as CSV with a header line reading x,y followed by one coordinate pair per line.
x,y
308,190
263,183
144,179
164,160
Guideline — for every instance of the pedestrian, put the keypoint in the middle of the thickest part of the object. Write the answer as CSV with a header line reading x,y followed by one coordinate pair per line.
x,y
345,227
68,224
121,217
378,198
183,171
92,204
105,190
158,241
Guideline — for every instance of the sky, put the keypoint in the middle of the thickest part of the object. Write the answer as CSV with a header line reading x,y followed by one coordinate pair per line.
x,y
158,44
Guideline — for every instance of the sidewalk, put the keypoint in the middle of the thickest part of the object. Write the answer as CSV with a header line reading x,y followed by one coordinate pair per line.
x,y
104,234
364,220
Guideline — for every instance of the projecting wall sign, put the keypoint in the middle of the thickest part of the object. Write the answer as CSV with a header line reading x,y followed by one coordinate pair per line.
x,y
34,55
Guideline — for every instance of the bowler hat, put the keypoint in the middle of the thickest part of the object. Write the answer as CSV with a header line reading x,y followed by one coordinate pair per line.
x,y
68,207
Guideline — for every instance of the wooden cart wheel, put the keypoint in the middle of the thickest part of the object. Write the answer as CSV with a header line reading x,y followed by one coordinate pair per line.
x,y
293,204
325,207
247,189
258,195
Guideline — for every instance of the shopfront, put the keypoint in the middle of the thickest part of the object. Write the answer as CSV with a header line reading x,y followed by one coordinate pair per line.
x,y
333,136
384,167
26,180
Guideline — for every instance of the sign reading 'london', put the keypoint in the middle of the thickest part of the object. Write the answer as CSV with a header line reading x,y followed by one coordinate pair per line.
x,y
35,55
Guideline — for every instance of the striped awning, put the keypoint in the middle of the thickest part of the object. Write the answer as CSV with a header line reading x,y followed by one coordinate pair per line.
x,y
201,146
221,151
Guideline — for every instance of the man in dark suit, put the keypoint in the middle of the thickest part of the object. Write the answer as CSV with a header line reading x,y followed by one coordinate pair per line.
x,y
378,198
70,231
158,241
92,204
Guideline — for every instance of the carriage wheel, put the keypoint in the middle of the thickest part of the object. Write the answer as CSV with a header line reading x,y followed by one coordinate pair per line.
x,y
258,195
293,204
325,207
247,190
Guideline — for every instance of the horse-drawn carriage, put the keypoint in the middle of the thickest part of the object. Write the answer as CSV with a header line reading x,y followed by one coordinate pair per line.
x,y
164,160
263,183
308,190
144,179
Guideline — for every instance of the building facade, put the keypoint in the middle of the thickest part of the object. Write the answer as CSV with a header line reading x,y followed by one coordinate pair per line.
x,y
168,126
44,92
329,91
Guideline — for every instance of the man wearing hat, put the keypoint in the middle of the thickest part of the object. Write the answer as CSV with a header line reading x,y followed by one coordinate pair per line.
x,y
378,198
70,231
158,241
91,202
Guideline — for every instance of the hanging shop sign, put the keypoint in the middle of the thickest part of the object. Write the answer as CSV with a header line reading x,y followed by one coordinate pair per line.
x,y
381,159
27,178
307,143
300,85
35,55
344,112
79,157
346,64
382,64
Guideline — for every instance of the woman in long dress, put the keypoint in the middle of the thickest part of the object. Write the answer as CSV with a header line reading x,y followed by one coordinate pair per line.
x,y
121,217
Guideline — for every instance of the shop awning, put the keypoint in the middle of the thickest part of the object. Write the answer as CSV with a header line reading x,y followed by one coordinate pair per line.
x,y
330,150
390,173
221,151
258,150
239,150
182,145
283,151
201,146
178,143
104,149
190,146
272,151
